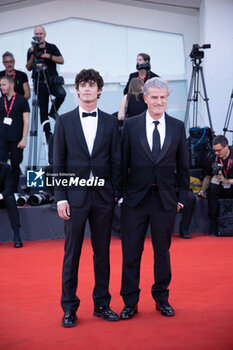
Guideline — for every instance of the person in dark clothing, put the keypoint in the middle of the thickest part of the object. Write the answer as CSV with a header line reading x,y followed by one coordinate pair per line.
x,y
87,144
7,200
133,103
14,125
51,56
218,178
144,73
20,78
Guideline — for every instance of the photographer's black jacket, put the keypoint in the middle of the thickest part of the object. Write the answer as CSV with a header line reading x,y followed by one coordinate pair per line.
x,y
149,75
208,170
52,66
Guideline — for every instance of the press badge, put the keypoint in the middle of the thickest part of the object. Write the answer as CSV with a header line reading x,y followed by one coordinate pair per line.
x,y
226,185
7,121
215,180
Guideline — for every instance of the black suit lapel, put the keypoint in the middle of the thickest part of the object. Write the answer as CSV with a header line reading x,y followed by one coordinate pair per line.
x,y
168,139
79,135
144,142
143,137
99,133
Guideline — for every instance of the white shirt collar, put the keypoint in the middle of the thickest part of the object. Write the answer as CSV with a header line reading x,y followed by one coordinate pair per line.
x,y
81,110
150,120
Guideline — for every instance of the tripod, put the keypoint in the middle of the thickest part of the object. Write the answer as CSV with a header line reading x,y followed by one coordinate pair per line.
x,y
39,70
194,92
228,116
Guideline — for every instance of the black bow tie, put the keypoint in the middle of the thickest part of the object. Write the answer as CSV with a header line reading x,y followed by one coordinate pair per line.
x,y
93,114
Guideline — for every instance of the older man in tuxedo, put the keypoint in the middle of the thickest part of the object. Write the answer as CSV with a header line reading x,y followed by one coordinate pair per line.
x,y
155,158
86,144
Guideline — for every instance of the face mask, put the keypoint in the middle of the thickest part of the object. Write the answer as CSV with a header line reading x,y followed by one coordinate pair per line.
x,y
145,66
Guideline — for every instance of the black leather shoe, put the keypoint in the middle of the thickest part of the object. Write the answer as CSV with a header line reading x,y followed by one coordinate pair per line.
x,y
106,313
18,243
128,312
165,308
69,319
185,234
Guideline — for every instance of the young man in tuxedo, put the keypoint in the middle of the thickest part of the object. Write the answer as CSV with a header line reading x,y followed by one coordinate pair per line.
x,y
153,147
86,143
143,70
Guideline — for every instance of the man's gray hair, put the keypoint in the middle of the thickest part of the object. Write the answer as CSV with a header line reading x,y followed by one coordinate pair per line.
x,y
155,83
6,54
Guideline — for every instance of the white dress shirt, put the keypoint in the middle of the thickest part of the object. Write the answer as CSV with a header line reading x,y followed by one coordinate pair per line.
x,y
89,125
150,129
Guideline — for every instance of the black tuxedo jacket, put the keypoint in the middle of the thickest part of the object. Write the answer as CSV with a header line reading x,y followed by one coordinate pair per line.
x,y
71,156
5,180
141,171
149,75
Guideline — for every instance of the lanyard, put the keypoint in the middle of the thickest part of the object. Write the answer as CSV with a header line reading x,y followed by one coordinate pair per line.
x,y
8,111
13,74
143,79
225,172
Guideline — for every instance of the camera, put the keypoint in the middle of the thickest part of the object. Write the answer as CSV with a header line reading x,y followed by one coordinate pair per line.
x,y
39,198
22,200
216,168
196,54
38,51
35,41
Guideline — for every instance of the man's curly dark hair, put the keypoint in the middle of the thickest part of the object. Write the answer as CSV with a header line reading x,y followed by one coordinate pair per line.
x,y
89,75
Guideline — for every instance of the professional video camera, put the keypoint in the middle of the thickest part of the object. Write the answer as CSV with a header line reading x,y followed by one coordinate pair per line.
x,y
196,54
38,51
145,66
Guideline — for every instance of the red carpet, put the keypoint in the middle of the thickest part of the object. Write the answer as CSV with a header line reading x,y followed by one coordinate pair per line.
x,y
201,293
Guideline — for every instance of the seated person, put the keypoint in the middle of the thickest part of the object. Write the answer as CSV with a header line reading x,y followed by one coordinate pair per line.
x,y
7,200
144,73
133,102
218,178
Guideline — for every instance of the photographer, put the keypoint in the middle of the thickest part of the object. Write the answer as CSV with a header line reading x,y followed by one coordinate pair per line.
x,y
43,53
20,78
218,178
144,73
14,124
